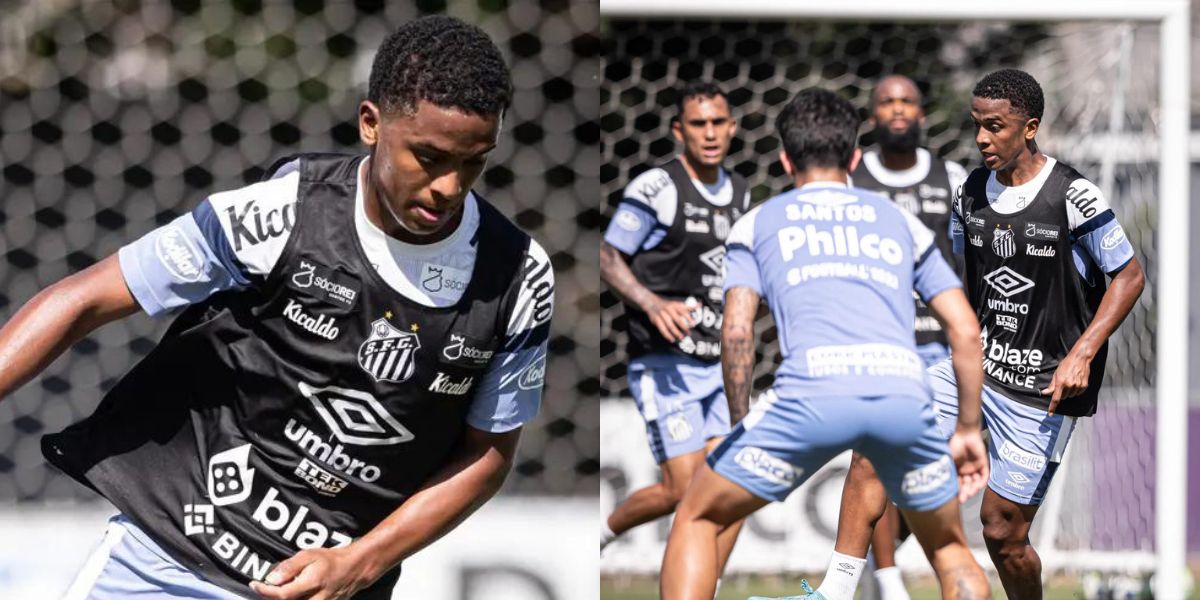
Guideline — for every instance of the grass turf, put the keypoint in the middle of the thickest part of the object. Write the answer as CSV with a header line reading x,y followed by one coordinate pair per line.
x,y
738,588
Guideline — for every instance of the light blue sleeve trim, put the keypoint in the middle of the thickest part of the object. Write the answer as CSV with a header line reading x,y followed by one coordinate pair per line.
x,y
741,269
510,393
631,225
173,266
1107,246
934,276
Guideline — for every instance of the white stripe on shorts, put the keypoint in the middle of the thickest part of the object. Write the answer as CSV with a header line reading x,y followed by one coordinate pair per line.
x,y
1060,443
649,392
765,401
90,573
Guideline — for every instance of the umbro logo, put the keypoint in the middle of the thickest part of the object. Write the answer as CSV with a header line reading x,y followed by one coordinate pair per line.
x,y
715,259
355,417
1007,281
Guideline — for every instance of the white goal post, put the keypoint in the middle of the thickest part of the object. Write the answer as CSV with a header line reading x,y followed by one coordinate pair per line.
x,y
1172,16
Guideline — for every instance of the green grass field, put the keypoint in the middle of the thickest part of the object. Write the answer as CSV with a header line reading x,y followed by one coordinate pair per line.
x,y
646,588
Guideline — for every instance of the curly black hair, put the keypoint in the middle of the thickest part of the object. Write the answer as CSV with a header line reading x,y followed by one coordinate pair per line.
x,y
441,60
819,129
696,89
1018,87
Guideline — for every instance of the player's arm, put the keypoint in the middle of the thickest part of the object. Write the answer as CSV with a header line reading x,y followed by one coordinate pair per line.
x,y
180,263
58,317
474,474
1103,241
634,222
737,349
1071,376
671,317
743,290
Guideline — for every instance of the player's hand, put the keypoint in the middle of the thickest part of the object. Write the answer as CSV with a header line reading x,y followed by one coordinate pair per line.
x,y
316,574
970,456
672,318
1070,379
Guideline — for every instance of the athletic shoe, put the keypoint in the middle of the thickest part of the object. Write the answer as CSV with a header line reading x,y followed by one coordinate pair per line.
x,y
809,594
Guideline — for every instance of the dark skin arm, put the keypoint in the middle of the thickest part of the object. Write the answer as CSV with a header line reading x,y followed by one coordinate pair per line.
x,y
58,317
1071,377
470,479
737,350
671,317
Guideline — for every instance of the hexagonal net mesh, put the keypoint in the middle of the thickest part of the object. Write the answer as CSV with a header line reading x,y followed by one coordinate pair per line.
x,y
1100,81
115,117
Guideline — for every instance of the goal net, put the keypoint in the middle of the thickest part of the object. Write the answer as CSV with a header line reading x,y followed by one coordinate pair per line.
x,y
1101,84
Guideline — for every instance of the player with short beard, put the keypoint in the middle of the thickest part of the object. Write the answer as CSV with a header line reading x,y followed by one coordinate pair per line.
x,y
1050,275
663,256
361,339
923,185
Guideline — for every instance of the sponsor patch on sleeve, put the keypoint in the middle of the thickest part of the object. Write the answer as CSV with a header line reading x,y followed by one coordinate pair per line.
x,y
179,255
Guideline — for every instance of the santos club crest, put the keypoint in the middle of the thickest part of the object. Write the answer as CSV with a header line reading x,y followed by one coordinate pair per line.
x,y
388,354
1004,244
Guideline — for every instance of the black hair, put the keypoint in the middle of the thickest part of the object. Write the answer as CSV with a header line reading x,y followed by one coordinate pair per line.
x,y
444,61
696,89
1018,87
818,129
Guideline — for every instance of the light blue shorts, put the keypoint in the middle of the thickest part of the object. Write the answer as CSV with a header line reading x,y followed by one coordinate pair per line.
x,y
783,441
128,564
1027,444
933,353
682,401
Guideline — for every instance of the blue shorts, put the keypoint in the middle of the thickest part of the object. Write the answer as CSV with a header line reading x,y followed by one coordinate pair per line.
x,y
933,353
1027,444
783,441
682,401
128,564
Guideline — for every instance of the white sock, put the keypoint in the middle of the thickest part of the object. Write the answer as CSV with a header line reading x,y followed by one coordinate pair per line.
x,y
606,535
841,580
891,585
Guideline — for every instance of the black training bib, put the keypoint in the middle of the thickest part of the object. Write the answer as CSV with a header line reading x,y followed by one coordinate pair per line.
x,y
302,411
930,201
1031,300
688,265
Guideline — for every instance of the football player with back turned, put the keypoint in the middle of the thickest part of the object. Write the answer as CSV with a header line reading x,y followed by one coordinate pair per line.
x,y
837,267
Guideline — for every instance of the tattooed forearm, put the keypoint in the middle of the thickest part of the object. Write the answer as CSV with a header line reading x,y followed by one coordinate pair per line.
x,y
737,350
620,279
